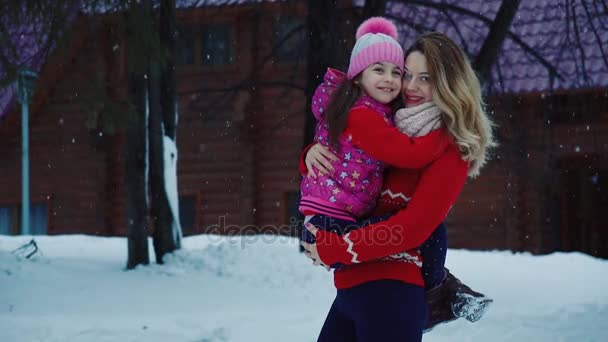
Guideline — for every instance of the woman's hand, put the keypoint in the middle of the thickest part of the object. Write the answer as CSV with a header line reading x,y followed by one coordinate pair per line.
x,y
311,248
319,157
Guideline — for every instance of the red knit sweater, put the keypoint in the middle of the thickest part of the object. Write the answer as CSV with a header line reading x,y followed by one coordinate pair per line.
x,y
428,193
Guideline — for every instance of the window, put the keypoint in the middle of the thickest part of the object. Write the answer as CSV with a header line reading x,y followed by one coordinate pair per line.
x,y
10,220
289,32
38,219
187,214
208,45
184,46
216,45
6,214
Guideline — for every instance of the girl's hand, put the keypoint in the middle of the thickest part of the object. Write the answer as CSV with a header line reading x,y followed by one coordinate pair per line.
x,y
319,157
311,248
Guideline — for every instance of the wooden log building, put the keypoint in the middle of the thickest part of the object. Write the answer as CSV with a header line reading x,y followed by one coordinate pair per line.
x,y
239,148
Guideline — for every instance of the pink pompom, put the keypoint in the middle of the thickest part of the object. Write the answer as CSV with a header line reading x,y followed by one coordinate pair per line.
x,y
377,25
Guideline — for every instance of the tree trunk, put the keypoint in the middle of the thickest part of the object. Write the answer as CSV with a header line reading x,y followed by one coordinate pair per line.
x,y
373,8
163,158
491,45
321,23
168,100
137,199
137,202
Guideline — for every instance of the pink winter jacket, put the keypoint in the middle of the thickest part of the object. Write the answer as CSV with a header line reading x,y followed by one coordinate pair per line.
x,y
355,185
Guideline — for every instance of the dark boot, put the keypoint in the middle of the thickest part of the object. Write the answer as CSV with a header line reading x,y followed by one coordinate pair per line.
x,y
438,300
452,299
466,302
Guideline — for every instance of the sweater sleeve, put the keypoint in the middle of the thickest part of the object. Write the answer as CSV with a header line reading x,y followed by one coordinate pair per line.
x,y
437,191
370,132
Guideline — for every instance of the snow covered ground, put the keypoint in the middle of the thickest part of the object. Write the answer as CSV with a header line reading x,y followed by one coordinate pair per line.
x,y
261,289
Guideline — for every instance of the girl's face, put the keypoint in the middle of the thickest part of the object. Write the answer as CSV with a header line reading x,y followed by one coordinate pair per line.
x,y
381,81
416,81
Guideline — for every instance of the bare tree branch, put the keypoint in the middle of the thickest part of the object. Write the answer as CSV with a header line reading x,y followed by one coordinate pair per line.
x,y
457,9
599,14
527,48
566,45
456,27
564,48
495,38
291,81
451,8
417,27
597,36
56,26
603,3
569,42
580,45
5,39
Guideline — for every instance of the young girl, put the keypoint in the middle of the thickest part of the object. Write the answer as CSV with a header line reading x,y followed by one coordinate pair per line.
x,y
436,70
355,121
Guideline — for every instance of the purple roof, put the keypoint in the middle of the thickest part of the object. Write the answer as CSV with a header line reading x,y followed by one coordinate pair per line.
x,y
549,27
203,3
184,4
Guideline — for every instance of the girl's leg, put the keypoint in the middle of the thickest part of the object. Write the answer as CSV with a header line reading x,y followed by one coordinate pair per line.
x,y
434,251
386,310
438,298
336,225
350,226
305,235
337,327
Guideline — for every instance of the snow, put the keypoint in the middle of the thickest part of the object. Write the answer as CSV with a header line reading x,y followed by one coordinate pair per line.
x,y
170,176
260,288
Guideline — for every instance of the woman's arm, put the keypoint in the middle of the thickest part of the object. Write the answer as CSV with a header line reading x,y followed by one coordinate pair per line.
x,y
376,137
437,191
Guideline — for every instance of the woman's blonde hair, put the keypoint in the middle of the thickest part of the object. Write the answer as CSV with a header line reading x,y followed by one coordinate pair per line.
x,y
457,92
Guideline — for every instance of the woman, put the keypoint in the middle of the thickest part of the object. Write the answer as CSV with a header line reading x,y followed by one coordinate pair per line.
x,y
381,298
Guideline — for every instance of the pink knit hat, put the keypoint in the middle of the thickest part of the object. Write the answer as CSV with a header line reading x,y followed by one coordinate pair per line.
x,y
376,42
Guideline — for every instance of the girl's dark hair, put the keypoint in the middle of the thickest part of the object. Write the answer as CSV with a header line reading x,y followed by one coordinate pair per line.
x,y
337,112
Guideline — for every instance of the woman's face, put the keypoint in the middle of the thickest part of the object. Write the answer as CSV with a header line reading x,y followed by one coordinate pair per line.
x,y
416,88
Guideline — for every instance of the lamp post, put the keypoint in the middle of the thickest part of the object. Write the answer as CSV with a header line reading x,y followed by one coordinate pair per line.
x,y
25,85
